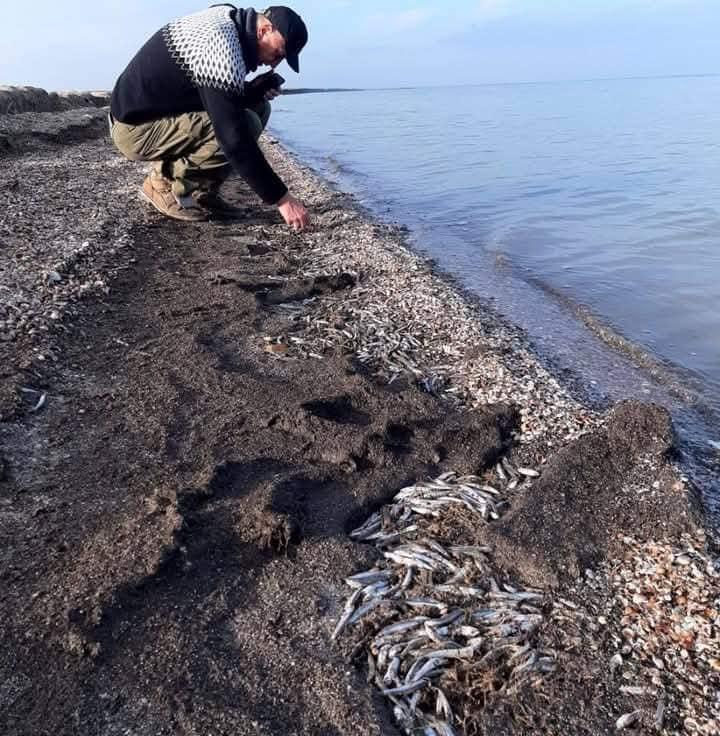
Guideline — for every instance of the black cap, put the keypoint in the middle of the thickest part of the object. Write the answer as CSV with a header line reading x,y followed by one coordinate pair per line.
x,y
293,30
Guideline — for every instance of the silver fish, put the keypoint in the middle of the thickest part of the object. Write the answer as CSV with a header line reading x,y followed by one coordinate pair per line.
x,y
407,688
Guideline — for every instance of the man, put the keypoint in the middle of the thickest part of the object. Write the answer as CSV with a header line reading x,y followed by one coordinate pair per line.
x,y
183,103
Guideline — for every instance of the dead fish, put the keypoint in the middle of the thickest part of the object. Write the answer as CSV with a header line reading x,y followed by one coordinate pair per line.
x,y
528,472
402,627
422,667
371,526
391,676
426,603
407,580
414,645
466,632
442,706
660,714
407,688
489,616
347,613
371,667
522,595
507,465
41,402
628,720
446,620
438,635
383,656
368,578
460,590
367,608
376,590
441,728
410,560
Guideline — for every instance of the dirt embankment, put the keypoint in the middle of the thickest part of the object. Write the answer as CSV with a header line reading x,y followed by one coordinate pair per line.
x,y
33,99
192,423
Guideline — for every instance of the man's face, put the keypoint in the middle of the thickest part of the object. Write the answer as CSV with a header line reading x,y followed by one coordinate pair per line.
x,y
271,46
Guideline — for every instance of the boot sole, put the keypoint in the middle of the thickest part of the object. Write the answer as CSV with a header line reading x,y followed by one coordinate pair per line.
x,y
152,202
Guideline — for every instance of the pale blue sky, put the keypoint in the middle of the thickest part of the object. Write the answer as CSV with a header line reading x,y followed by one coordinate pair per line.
x,y
86,44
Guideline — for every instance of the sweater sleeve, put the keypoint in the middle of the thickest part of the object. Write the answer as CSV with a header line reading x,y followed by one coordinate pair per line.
x,y
227,114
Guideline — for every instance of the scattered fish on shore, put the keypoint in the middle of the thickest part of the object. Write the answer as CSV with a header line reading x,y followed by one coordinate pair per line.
x,y
429,610
398,305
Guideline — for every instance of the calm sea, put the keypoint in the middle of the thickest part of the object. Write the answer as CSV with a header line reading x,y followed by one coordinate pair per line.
x,y
587,212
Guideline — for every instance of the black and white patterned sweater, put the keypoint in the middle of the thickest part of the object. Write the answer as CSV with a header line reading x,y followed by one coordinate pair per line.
x,y
199,62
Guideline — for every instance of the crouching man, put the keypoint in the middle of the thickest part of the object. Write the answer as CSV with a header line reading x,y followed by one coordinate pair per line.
x,y
183,104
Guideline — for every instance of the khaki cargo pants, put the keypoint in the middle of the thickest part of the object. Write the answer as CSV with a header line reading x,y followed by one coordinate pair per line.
x,y
183,148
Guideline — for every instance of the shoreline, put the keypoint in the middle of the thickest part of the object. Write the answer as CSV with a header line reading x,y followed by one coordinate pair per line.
x,y
257,307
645,376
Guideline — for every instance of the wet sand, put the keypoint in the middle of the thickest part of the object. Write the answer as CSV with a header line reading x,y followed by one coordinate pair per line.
x,y
225,402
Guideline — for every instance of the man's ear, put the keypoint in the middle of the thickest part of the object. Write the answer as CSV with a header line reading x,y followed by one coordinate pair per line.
x,y
263,29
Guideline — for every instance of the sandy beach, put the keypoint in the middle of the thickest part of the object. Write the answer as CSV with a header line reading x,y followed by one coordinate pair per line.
x,y
232,458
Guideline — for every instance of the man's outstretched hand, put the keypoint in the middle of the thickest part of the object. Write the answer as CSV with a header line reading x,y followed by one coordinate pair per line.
x,y
293,212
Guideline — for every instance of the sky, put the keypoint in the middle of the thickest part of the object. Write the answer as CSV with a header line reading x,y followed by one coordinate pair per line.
x,y
86,44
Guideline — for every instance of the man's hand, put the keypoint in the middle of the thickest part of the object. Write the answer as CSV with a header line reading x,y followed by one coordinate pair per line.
x,y
293,212
264,87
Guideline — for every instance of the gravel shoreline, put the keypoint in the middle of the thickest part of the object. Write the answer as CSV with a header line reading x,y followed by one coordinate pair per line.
x,y
471,357
631,611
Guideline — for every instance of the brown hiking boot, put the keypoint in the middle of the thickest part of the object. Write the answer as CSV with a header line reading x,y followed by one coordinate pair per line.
x,y
157,190
210,199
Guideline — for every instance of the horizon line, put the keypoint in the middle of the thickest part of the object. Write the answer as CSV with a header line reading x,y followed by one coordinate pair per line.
x,y
497,84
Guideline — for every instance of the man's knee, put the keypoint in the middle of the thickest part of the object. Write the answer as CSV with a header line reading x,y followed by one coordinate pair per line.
x,y
125,142
259,114
264,113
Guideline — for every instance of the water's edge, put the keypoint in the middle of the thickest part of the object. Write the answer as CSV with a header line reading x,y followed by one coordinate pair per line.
x,y
634,371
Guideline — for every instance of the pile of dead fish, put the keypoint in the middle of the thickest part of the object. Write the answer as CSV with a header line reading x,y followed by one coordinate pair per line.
x,y
434,617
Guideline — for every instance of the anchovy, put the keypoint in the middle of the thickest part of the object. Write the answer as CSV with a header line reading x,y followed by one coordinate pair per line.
x,y
439,635
40,403
367,608
528,472
391,676
371,667
407,688
446,620
422,666
467,652
425,603
414,644
461,590
410,560
403,626
347,613
629,719
509,468
442,706
466,632
517,596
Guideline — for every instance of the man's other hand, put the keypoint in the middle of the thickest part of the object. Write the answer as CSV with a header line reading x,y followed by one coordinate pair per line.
x,y
271,94
293,212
